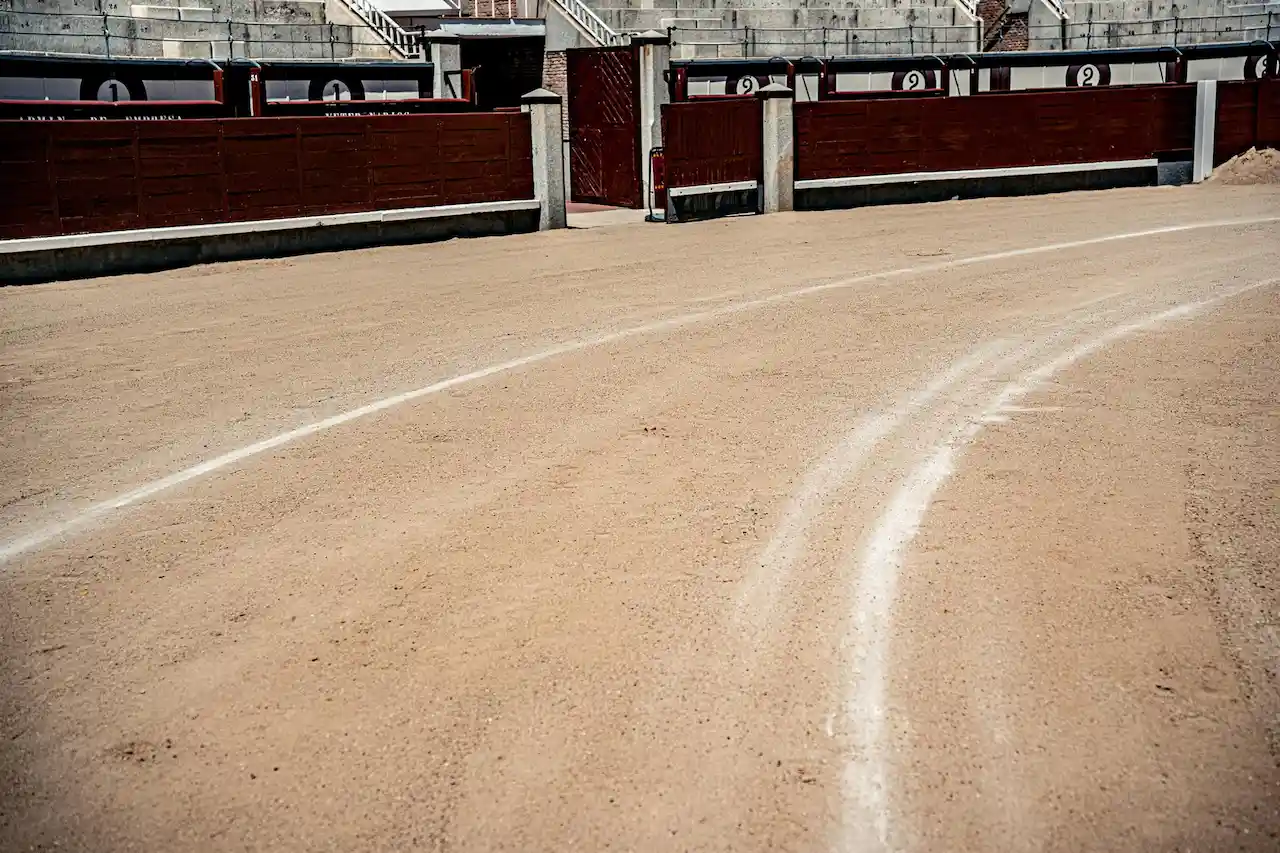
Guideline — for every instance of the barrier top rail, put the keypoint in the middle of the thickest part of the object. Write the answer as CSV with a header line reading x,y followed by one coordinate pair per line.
x,y
52,64
1118,56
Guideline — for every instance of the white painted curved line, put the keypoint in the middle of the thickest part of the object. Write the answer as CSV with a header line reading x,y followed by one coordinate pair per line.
x,y
866,776
51,532
768,574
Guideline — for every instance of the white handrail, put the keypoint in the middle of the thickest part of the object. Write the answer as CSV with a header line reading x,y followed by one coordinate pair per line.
x,y
1058,9
590,22
392,33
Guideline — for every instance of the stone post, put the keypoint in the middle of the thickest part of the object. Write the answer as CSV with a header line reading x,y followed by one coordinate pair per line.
x,y
543,108
655,57
1206,128
777,191
446,55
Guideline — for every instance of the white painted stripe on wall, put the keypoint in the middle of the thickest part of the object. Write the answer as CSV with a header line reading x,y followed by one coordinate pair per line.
x,y
256,226
707,189
1010,172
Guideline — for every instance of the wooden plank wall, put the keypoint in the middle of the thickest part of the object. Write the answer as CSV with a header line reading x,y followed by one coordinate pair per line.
x,y
836,139
713,141
1248,117
81,176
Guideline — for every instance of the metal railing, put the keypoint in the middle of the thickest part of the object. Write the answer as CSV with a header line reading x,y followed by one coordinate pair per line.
x,y
392,34
1156,32
743,42
581,14
122,36
740,42
1057,7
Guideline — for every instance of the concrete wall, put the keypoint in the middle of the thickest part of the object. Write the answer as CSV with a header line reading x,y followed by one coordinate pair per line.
x,y
71,259
736,28
562,32
1141,23
702,43
267,29
365,42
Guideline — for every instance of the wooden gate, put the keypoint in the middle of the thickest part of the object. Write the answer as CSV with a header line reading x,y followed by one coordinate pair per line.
x,y
604,126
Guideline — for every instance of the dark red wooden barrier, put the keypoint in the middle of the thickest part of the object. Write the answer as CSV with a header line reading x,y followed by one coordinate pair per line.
x,y
836,139
1248,117
605,159
77,176
712,141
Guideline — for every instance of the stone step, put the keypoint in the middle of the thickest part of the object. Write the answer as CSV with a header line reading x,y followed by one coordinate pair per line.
x,y
172,12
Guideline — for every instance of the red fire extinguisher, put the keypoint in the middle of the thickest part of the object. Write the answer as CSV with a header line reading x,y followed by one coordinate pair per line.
x,y
658,180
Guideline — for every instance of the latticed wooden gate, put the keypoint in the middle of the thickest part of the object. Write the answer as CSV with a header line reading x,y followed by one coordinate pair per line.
x,y
604,125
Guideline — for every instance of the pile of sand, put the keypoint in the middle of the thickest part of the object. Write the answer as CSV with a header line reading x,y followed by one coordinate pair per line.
x,y
1252,167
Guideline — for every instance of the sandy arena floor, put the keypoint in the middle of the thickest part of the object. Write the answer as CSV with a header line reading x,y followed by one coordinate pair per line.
x,y
939,528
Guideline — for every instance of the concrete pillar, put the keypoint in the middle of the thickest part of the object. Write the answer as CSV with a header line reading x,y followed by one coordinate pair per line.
x,y
446,55
655,57
777,191
1206,128
543,108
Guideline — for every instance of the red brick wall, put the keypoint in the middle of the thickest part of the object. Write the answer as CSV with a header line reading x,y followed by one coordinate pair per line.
x,y
555,78
74,177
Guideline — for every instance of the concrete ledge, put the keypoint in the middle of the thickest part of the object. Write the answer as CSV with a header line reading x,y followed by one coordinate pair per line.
x,y
710,189
973,174
87,255
825,196
495,28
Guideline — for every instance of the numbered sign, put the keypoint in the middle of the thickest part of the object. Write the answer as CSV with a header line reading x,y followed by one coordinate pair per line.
x,y
336,90
1260,67
744,85
113,91
914,80
1089,74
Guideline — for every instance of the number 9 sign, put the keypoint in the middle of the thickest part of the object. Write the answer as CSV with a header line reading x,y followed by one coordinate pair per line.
x,y
1089,75
914,80
744,85
1260,67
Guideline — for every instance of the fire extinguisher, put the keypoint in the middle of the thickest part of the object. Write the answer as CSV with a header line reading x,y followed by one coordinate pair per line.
x,y
658,180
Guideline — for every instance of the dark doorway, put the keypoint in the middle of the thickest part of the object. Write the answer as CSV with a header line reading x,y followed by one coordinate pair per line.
x,y
507,68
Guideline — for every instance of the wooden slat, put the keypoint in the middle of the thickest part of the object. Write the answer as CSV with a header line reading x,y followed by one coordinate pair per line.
x,y
711,142
69,177
853,138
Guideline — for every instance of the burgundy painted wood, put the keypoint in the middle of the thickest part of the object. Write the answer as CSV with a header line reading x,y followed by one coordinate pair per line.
x,y
1248,117
836,139
79,176
712,141
604,125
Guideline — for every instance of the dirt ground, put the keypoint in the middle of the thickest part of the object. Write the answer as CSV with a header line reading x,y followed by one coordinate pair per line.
x,y
1255,166
935,528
